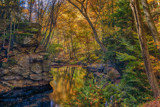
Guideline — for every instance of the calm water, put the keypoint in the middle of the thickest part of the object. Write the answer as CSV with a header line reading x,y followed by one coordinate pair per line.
x,y
65,80
61,89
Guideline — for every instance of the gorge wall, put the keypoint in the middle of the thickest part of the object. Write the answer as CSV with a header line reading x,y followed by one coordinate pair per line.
x,y
27,63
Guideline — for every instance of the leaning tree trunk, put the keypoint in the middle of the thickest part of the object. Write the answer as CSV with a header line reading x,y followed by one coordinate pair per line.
x,y
30,11
83,11
144,48
96,35
10,38
151,23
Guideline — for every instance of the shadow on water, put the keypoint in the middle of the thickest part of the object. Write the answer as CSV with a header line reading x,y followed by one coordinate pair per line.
x,y
60,90
34,96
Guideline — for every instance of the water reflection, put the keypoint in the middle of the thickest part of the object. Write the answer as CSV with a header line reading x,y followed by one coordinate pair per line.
x,y
65,80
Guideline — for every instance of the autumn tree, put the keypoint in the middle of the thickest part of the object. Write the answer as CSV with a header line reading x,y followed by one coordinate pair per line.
x,y
53,16
82,6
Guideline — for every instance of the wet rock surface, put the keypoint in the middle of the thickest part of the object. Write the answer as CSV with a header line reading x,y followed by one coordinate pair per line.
x,y
104,70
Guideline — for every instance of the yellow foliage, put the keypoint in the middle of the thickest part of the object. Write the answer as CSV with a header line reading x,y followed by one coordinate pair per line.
x,y
158,27
149,1
156,64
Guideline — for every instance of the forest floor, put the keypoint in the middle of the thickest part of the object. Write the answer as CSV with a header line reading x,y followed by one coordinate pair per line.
x,y
154,103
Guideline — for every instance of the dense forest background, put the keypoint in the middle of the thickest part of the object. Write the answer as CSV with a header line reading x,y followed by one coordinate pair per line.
x,y
123,33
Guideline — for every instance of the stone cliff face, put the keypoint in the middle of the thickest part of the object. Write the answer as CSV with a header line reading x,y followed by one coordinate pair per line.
x,y
28,63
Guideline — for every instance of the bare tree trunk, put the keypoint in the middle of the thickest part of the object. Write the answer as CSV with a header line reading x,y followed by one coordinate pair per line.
x,y
38,11
144,48
69,50
112,13
151,23
48,38
72,52
4,33
50,30
45,34
53,18
30,10
10,38
96,35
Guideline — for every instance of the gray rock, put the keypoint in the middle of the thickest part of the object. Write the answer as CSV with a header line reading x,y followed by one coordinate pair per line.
x,y
36,68
28,82
26,74
100,68
47,78
16,70
36,58
24,62
54,64
36,77
6,83
27,40
4,72
11,77
91,69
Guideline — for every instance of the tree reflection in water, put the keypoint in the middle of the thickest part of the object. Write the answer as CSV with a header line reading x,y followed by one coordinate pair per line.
x,y
65,80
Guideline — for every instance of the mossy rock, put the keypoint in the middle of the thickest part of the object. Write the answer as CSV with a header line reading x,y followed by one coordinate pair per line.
x,y
28,26
28,34
20,38
35,25
32,30
22,25
24,34
27,41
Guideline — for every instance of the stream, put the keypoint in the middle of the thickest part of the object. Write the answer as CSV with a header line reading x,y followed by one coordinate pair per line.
x,y
59,90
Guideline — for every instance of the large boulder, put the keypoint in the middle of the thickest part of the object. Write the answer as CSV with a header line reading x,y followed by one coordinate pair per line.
x,y
3,71
36,68
28,36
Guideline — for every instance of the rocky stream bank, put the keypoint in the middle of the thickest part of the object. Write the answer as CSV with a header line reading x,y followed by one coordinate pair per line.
x,y
27,63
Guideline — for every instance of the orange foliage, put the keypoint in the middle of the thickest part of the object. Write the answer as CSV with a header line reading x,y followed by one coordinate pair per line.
x,y
25,11
5,60
150,1
155,103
